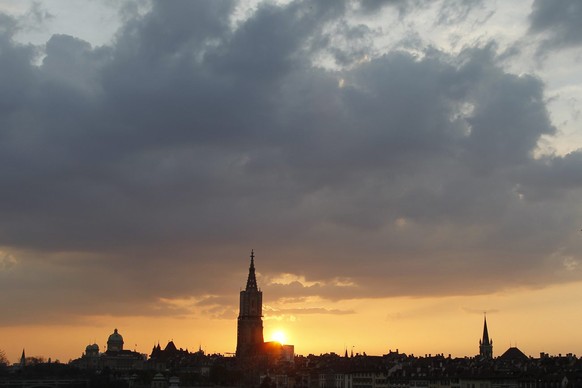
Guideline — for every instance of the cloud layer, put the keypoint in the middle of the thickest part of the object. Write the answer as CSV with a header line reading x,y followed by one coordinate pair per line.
x,y
152,165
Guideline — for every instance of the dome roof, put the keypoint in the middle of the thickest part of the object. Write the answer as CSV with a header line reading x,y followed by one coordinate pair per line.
x,y
115,337
92,347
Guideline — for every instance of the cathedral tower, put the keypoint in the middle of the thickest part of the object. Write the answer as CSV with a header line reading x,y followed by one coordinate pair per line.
x,y
485,344
250,318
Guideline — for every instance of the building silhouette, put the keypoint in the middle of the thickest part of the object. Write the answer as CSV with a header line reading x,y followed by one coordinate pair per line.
x,y
274,365
250,319
114,358
115,342
485,344
22,359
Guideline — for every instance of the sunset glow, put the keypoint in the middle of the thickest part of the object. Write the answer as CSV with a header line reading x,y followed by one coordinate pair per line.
x,y
279,336
395,169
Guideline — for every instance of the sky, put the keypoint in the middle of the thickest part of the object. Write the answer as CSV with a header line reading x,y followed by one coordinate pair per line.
x,y
399,168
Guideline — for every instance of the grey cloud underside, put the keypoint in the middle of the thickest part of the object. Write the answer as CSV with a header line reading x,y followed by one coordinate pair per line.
x,y
559,21
450,11
156,163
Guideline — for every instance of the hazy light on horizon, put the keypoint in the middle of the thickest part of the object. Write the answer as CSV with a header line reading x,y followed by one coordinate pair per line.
x,y
398,167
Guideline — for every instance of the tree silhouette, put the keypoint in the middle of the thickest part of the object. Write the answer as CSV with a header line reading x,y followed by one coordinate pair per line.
x,y
3,358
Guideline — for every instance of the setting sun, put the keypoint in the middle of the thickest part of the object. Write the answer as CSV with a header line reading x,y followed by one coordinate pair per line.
x,y
279,336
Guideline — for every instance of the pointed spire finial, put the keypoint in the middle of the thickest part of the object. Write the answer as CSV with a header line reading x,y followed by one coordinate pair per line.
x,y
485,331
252,280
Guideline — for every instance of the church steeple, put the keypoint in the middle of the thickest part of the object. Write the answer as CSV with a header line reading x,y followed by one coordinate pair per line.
x,y
485,344
485,332
250,318
252,279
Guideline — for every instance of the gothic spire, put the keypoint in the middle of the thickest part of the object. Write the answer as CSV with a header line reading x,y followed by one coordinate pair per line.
x,y
485,340
252,280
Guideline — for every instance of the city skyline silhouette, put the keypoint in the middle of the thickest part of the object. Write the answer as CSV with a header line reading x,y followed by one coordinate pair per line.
x,y
399,167
251,341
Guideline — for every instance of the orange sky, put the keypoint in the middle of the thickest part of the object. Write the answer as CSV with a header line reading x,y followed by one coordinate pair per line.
x,y
399,167
544,320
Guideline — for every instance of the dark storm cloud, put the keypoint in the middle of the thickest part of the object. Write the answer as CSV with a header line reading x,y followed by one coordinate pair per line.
x,y
151,167
559,21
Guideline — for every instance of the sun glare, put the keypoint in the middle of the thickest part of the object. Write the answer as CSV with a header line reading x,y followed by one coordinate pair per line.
x,y
279,336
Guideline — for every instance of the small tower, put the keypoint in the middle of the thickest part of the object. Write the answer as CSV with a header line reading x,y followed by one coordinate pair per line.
x,y
485,344
22,359
250,319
